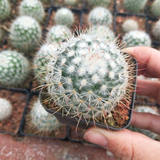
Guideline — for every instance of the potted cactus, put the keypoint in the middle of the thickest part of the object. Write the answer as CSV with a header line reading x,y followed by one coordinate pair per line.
x,y
89,81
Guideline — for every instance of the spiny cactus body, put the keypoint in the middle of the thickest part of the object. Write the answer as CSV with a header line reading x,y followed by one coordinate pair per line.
x,y
100,16
129,25
25,33
137,38
32,8
42,120
155,8
14,68
156,30
4,9
103,3
58,34
64,16
70,2
5,109
134,5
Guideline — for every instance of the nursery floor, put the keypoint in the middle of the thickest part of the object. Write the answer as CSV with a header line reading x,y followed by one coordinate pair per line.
x,y
28,148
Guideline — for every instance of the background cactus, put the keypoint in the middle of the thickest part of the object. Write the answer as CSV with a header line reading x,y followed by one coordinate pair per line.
x,y
70,2
134,5
129,25
14,68
64,16
155,8
4,9
137,38
33,8
25,33
5,109
156,30
58,34
100,16
103,3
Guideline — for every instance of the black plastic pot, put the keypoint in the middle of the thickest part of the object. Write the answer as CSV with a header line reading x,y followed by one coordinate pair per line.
x,y
82,124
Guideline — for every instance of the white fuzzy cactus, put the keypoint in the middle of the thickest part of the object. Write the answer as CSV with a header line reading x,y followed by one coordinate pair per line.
x,y
4,9
70,2
156,30
134,6
103,3
32,8
155,8
137,38
25,33
129,25
5,109
42,120
64,16
14,68
100,16
58,33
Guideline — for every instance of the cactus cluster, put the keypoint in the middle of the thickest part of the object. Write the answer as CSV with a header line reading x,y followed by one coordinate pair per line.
x,y
70,2
156,30
64,16
155,8
14,68
129,25
4,9
5,109
103,3
32,8
100,16
25,33
58,33
137,38
134,6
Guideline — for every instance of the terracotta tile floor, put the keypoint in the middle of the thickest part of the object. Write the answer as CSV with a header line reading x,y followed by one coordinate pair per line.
x,y
28,148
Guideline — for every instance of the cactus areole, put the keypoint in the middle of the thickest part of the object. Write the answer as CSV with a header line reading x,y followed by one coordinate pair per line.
x,y
89,78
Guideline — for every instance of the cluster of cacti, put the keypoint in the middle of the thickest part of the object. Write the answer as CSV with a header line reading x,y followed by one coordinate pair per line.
x,y
88,76
100,16
134,5
156,30
14,68
155,8
33,8
25,33
103,3
42,120
129,25
64,16
5,109
70,2
4,9
136,38
58,33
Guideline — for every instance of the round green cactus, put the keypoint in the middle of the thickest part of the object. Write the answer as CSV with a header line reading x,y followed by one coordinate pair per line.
x,y
129,25
134,5
25,33
42,120
58,34
156,30
4,9
70,2
5,109
100,16
103,3
14,68
136,38
155,8
32,8
64,16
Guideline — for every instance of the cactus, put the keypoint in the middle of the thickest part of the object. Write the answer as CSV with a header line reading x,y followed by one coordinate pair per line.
x,y
129,25
103,3
155,8
4,9
5,109
25,33
64,16
156,30
14,68
88,76
100,16
58,34
134,6
42,120
32,8
70,2
136,38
